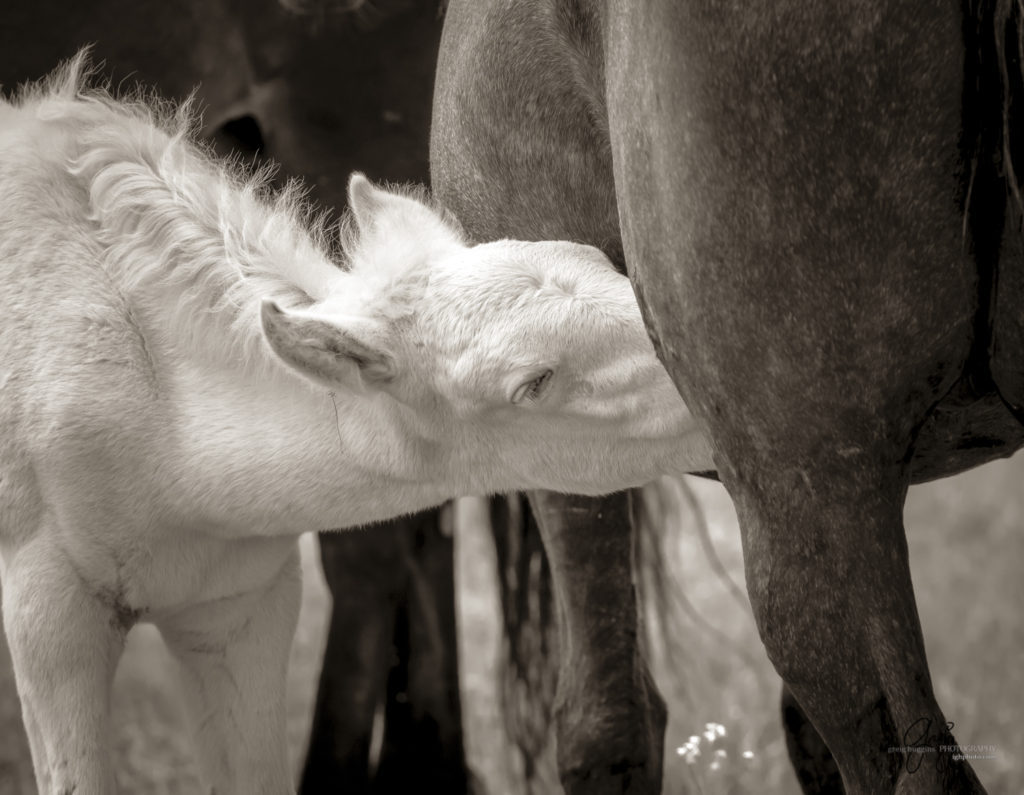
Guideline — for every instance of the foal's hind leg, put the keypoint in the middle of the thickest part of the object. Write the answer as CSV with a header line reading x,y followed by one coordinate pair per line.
x,y
610,718
234,657
65,641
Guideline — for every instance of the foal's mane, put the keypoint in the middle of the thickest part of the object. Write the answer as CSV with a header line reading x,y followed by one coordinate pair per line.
x,y
184,233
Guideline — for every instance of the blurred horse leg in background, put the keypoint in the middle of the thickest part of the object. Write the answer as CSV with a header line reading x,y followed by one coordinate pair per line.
x,y
389,664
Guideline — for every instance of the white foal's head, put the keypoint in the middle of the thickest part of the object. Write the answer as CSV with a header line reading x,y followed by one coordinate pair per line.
x,y
526,364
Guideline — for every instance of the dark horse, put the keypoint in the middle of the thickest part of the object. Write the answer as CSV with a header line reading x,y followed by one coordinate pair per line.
x,y
817,205
322,95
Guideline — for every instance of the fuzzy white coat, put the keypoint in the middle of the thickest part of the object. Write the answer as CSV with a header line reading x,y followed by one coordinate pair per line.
x,y
188,381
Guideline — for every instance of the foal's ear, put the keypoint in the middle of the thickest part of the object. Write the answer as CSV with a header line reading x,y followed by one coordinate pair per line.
x,y
398,216
364,199
330,353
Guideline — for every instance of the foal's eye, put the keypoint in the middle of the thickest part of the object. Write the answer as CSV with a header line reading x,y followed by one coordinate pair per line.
x,y
533,389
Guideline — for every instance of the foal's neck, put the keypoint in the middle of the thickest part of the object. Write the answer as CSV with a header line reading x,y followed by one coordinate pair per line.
x,y
273,455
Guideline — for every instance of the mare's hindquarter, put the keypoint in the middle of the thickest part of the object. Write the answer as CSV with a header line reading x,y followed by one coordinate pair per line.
x,y
793,190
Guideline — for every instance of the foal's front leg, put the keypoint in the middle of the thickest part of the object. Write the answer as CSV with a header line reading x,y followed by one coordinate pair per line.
x,y
65,640
234,657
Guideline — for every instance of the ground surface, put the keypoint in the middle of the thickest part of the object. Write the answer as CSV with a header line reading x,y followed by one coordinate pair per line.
x,y
967,548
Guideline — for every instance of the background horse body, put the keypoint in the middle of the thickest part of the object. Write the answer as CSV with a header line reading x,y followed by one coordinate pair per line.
x,y
811,201
322,96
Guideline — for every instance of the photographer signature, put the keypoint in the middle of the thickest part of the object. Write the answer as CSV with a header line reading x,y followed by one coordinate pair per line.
x,y
919,741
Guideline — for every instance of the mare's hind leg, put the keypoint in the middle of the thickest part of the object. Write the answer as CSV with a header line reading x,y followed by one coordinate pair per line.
x,y
828,577
610,718
65,641
234,658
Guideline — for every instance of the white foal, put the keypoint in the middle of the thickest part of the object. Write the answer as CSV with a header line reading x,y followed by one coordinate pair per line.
x,y
188,382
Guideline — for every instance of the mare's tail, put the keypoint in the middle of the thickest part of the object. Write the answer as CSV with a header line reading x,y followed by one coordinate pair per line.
x,y
529,661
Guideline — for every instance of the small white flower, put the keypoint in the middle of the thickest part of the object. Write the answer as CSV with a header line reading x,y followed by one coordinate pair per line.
x,y
714,766
713,730
748,754
721,753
